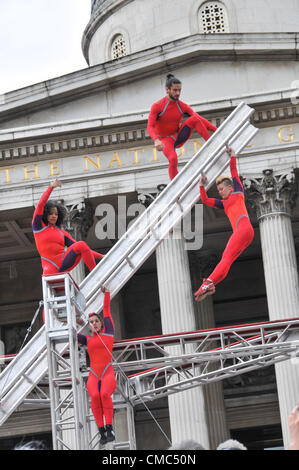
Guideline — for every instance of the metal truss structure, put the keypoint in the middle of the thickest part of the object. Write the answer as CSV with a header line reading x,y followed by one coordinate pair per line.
x,y
179,362
146,368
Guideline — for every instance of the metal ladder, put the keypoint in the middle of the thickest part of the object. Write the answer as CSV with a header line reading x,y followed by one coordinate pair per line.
x,y
124,259
173,203
65,381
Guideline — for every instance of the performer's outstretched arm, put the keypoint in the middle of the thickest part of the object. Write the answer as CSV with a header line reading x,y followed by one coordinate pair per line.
x,y
210,201
238,186
108,321
37,220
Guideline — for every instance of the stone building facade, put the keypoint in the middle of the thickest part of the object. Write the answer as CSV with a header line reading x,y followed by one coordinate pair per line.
x,y
89,129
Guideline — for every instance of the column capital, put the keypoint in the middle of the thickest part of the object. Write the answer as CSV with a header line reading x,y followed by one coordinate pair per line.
x,y
78,219
271,193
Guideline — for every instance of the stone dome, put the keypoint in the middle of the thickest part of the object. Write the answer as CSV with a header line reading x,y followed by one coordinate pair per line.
x,y
122,27
96,4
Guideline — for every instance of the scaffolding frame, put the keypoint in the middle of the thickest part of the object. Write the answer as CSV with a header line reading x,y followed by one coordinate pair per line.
x,y
67,396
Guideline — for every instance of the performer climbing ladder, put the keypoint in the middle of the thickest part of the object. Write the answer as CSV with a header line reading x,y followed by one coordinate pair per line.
x,y
101,381
164,123
233,203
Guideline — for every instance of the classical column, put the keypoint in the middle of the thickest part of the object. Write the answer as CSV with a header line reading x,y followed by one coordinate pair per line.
x,y
186,409
201,264
273,196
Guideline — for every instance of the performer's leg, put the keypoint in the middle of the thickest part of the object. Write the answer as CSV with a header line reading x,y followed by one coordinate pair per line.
x,y
108,384
74,254
171,155
237,243
96,405
208,124
193,122
96,254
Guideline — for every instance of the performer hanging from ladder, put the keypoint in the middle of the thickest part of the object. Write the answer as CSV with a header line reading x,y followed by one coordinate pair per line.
x,y
101,381
164,123
58,250
233,202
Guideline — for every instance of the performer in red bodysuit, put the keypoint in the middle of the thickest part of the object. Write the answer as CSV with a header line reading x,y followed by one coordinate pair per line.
x,y
233,203
58,250
164,123
101,381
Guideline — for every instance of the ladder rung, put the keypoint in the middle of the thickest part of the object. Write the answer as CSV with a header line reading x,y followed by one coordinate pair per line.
x,y
154,233
58,334
180,204
130,262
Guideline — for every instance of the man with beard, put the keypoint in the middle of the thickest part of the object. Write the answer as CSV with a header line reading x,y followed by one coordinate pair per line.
x,y
165,123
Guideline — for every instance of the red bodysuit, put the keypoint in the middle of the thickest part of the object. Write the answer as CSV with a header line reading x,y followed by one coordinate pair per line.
x,y
58,250
164,123
101,381
235,209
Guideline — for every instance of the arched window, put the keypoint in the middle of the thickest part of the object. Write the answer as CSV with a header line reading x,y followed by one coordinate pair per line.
x,y
213,18
118,47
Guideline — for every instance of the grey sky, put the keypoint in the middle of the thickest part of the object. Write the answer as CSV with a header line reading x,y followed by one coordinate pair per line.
x,y
40,39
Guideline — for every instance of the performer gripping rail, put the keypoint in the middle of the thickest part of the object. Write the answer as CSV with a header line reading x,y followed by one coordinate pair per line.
x,y
51,240
233,203
164,123
101,381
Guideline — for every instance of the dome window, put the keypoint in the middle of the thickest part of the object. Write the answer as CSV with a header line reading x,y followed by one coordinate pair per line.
x,y
118,47
213,18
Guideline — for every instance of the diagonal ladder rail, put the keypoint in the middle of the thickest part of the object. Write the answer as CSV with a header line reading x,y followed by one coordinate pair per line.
x,y
132,250
181,194
22,374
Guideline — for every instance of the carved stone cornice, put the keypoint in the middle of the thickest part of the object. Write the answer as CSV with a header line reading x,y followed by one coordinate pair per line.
x,y
78,219
60,147
271,194
35,145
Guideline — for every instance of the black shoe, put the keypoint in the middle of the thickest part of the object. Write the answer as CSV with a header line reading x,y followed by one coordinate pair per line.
x,y
110,433
102,432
